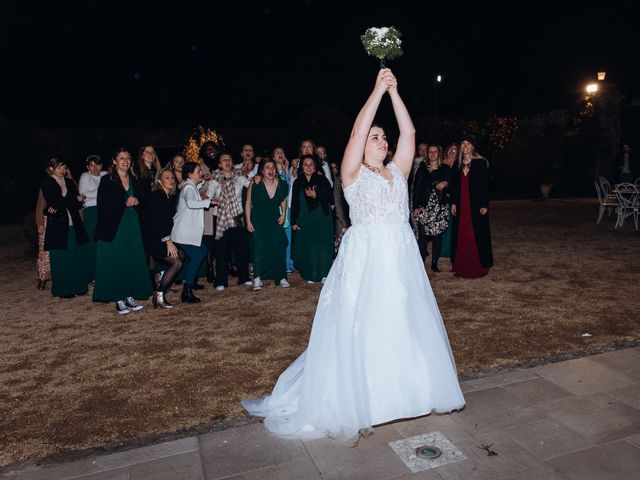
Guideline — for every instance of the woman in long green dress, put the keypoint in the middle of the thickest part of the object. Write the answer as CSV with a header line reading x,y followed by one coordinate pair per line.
x,y
88,186
451,156
312,221
121,265
265,211
65,236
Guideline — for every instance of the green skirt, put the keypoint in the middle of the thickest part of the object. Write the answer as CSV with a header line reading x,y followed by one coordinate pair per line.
x,y
121,266
312,251
269,252
446,239
90,218
69,268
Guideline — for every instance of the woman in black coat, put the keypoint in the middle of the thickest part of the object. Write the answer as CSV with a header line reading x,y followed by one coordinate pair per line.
x,y
122,273
64,244
431,175
162,208
471,251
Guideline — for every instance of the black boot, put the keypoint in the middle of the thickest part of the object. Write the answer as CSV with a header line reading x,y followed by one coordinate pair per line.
x,y
434,266
187,294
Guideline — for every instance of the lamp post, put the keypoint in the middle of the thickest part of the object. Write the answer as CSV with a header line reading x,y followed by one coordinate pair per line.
x,y
436,87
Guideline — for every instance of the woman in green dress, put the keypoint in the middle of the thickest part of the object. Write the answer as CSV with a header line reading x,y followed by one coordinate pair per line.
x,y
88,186
312,221
265,212
451,156
121,266
65,236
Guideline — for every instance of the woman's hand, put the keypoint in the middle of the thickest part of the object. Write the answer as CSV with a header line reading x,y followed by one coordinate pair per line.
x,y
310,192
132,202
257,179
81,197
215,203
391,82
383,81
40,229
52,210
483,211
441,185
207,176
453,209
295,227
281,219
203,196
416,212
172,250
250,228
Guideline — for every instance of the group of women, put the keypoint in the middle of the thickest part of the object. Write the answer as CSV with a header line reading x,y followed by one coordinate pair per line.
x,y
451,208
124,226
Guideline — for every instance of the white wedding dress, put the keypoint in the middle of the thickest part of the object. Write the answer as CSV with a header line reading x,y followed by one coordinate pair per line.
x,y
378,349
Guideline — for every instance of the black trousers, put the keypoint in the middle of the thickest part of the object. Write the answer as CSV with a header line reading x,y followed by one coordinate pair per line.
x,y
234,240
423,241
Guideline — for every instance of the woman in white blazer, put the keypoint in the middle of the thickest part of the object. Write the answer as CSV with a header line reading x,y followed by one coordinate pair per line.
x,y
188,226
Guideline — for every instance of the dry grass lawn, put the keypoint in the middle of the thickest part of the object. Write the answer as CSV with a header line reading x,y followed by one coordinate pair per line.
x,y
74,375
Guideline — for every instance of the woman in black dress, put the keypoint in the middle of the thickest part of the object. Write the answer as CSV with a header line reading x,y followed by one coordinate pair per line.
x,y
162,208
431,176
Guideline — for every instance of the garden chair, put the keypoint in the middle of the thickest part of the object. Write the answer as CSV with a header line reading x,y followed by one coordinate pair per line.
x,y
629,203
605,201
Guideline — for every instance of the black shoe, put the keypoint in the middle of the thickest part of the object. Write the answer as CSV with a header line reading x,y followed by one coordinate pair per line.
x,y
42,284
197,286
434,268
187,294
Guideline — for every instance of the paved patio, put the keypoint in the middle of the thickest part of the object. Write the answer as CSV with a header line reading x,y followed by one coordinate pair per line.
x,y
572,420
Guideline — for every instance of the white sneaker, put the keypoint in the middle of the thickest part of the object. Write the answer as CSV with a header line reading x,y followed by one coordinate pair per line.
x,y
131,304
257,283
248,283
284,283
220,288
310,281
324,279
121,308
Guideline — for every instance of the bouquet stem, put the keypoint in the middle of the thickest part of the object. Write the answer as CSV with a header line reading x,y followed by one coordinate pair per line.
x,y
382,64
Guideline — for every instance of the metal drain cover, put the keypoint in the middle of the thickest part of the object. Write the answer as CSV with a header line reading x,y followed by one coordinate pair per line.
x,y
428,452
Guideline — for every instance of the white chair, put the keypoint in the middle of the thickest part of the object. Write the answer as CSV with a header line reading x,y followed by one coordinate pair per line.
x,y
606,202
629,203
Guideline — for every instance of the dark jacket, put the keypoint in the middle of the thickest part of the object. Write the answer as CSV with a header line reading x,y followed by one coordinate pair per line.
x,y
159,223
112,198
146,187
478,198
324,195
55,237
425,182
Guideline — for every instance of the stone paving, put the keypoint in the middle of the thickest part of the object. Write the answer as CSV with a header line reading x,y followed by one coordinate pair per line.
x,y
572,420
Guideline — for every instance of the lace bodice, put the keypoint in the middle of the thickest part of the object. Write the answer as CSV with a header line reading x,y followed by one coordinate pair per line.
x,y
373,199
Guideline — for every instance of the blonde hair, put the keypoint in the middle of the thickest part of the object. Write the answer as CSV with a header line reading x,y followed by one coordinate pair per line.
x,y
157,183
144,171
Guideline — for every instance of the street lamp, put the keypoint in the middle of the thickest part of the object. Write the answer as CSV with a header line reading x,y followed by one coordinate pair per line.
x,y
592,88
436,87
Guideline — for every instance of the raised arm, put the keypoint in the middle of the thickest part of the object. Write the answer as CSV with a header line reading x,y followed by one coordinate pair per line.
x,y
354,152
403,157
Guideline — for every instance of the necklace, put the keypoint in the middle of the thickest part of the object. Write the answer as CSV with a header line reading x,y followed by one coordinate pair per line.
x,y
373,169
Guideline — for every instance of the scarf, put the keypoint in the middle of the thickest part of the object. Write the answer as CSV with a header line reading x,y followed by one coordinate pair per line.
x,y
230,207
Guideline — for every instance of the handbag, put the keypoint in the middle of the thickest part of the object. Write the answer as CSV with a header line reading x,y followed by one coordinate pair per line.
x,y
434,218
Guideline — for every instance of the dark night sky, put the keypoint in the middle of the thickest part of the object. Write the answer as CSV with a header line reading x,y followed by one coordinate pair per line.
x,y
260,64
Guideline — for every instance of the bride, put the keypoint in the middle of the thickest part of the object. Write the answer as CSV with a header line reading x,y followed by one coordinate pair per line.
x,y
378,349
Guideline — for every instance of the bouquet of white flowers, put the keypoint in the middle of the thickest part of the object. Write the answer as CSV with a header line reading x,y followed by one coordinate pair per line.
x,y
382,43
